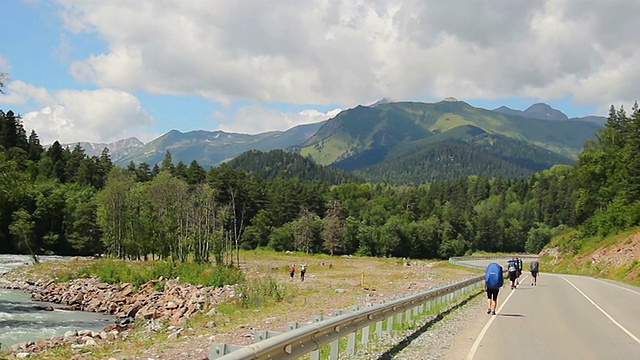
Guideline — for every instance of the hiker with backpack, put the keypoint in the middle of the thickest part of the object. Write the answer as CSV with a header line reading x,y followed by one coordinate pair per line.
x,y
493,281
512,268
534,267
292,271
520,266
303,270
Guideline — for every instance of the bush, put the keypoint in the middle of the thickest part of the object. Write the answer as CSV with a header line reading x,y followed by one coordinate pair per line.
x,y
255,292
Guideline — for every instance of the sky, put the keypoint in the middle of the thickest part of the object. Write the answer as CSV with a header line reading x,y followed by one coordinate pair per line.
x,y
104,70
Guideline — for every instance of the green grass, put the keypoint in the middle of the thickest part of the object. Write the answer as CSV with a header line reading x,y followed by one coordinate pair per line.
x,y
137,273
449,121
575,257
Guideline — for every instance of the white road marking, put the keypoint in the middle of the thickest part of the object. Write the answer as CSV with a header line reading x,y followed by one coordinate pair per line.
x,y
476,344
604,312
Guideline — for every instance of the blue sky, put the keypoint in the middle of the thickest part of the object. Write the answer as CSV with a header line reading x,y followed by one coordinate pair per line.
x,y
90,70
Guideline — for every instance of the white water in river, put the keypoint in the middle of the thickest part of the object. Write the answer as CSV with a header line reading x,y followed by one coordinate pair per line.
x,y
21,321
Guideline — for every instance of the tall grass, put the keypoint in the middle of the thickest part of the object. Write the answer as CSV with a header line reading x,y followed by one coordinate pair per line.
x,y
257,292
138,273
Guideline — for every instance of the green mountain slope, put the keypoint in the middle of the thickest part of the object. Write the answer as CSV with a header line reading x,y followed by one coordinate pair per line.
x,y
462,151
370,134
274,163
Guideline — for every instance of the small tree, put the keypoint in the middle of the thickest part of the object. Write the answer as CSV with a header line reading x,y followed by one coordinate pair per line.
x,y
334,227
22,228
305,231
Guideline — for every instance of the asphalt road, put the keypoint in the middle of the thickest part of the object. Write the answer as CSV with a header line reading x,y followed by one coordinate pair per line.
x,y
563,317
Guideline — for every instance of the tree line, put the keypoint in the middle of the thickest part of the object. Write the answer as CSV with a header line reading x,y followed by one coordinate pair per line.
x,y
62,201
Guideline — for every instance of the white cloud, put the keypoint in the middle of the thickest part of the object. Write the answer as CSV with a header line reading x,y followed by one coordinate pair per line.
x,y
349,52
68,116
19,92
258,119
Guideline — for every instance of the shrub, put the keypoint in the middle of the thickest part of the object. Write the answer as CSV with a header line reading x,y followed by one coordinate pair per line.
x,y
255,292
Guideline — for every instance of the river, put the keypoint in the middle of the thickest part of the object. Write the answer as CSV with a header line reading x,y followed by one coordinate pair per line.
x,y
20,320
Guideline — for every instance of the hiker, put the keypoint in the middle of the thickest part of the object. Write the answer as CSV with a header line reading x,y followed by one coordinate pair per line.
x,y
303,270
292,271
520,267
512,268
493,281
534,267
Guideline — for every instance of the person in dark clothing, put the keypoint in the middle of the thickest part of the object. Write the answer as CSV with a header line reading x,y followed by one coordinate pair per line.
x,y
292,271
303,271
534,267
493,281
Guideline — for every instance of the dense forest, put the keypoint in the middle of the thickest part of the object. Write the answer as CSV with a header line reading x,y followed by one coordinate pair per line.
x,y
488,155
61,201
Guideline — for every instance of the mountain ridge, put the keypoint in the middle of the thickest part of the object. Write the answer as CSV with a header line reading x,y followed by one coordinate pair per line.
x,y
364,136
387,126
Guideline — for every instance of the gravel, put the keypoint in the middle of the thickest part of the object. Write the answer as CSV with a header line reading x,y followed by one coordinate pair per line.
x,y
432,337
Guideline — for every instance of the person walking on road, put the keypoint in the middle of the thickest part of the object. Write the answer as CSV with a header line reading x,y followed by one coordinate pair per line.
x,y
493,281
512,268
534,267
520,266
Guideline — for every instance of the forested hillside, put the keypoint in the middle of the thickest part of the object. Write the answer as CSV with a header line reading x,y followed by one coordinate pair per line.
x,y
64,202
274,163
482,154
369,135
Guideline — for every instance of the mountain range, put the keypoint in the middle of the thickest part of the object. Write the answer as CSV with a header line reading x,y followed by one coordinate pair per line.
x,y
367,135
388,138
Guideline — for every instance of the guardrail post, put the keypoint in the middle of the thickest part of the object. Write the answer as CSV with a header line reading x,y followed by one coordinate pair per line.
x,y
351,343
335,348
294,325
264,335
379,329
390,323
220,350
365,335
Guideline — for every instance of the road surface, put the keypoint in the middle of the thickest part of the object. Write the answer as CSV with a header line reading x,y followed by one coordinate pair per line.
x,y
563,317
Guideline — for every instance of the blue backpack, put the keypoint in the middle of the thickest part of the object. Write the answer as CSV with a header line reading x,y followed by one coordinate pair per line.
x,y
493,276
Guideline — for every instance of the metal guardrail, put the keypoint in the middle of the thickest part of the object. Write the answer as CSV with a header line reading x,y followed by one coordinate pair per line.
x,y
310,337
302,339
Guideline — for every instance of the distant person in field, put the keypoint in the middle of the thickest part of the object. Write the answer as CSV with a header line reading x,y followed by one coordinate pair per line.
x,y
493,281
292,271
512,268
535,268
303,270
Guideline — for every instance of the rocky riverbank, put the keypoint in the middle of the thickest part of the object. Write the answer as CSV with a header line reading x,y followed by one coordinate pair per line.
x,y
157,301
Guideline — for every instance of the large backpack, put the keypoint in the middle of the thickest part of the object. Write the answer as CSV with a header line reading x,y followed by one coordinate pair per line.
x,y
512,266
493,276
534,266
